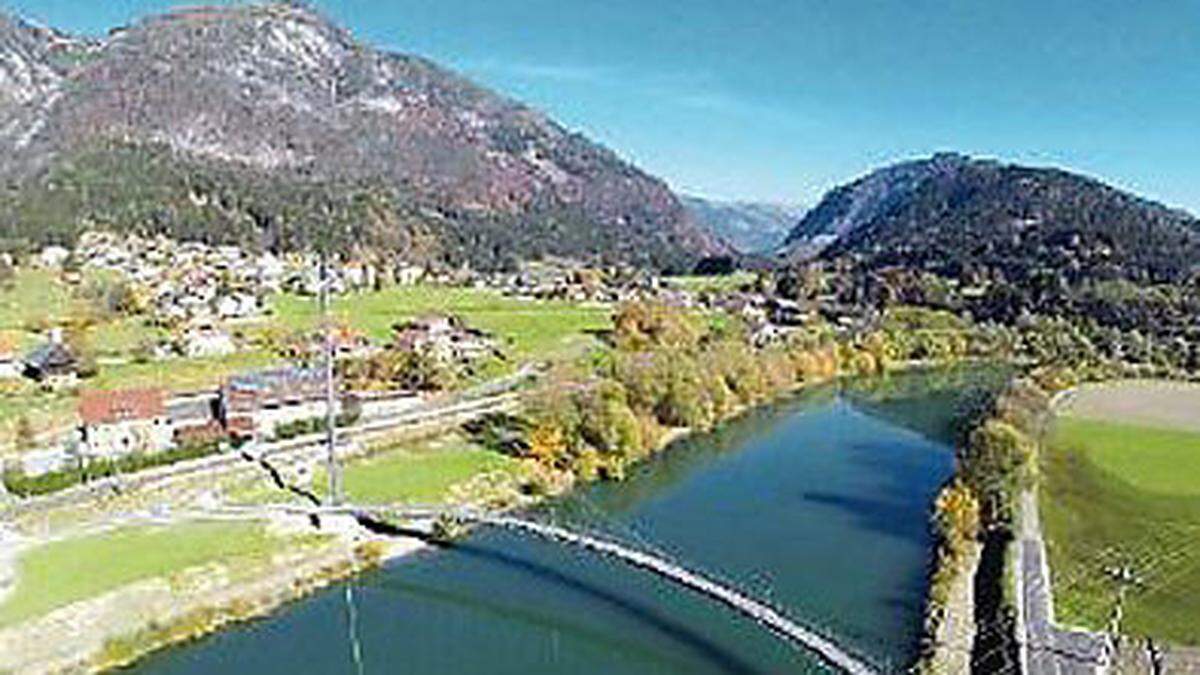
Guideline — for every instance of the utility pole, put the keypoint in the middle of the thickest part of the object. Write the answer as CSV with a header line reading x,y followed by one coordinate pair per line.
x,y
332,468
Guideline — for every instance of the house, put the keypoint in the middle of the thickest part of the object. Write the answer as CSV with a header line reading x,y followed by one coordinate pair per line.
x,y
446,337
206,340
53,256
236,305
255,404
194,419
348,343
123,422
52,364
408,275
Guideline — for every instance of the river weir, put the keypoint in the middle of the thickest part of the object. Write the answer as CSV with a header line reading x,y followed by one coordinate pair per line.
x,y
819,506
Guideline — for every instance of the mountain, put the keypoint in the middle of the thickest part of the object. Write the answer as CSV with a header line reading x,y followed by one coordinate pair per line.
x,y
847,207
270,125
1007,243
957,216
749,226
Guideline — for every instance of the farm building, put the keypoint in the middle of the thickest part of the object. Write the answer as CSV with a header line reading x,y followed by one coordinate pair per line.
x,y
123,422
255,404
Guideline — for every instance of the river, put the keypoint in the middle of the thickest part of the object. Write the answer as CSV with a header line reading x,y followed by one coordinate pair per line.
x,y
819,504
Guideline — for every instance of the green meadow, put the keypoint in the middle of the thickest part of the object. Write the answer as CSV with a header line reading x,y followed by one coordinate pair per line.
x,y
1115,497
51,575
420,474
531,329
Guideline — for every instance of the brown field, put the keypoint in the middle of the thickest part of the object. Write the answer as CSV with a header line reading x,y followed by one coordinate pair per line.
x,y
1172,405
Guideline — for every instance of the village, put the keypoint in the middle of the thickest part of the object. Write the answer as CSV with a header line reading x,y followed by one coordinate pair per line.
x,y
207,304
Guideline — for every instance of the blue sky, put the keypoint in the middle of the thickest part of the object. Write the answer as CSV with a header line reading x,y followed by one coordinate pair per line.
x,y
783,99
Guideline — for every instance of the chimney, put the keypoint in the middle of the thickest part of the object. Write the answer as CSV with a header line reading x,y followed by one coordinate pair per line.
x,y
56,335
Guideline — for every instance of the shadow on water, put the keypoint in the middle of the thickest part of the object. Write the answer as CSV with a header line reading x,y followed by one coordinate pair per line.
x,y
877,515
679,632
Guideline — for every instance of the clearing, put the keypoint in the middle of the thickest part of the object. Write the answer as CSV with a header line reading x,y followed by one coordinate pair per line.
x,y
532,329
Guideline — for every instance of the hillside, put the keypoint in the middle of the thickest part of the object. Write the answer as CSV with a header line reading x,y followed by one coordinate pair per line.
x,y
956,216
749,226
1007,243
271,126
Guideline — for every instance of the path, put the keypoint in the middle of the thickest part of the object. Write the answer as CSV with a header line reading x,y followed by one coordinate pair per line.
x,y
1047,649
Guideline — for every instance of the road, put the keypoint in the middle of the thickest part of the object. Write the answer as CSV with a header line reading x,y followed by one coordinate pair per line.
x,y
1048,649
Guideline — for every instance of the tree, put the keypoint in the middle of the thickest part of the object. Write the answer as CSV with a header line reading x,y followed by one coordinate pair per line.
x,y
956,518
999,461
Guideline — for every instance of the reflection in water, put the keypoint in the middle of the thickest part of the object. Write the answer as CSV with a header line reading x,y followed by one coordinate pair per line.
x,y
818,505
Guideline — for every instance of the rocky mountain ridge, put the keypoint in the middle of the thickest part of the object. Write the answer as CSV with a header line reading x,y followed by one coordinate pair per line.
x,y
211,120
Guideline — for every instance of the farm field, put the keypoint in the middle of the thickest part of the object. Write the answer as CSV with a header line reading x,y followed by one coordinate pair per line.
x,y
531,329
33,297
1120,495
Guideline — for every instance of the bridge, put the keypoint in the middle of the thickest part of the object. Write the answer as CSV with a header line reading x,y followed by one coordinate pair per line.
x,y
760,612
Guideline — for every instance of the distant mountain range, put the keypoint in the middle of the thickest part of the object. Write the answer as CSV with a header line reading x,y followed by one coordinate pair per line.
x,y
269,125
951,214
751,227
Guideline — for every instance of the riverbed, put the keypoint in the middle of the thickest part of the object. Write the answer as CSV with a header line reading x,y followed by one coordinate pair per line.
x,y
819,505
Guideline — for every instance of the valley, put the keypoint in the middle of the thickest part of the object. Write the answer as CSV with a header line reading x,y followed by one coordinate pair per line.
x,y
348,341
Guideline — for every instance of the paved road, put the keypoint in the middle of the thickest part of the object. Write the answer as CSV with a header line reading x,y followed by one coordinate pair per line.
x,y
1048,649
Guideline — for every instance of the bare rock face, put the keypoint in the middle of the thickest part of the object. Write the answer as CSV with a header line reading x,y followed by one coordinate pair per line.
x,y
278,98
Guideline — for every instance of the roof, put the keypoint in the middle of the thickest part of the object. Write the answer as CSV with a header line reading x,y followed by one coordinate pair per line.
x,y
195,410
108,407
51,356
279,381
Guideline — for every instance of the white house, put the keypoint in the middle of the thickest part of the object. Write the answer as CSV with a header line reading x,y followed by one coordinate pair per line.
x,y
123,422
53,256
207,340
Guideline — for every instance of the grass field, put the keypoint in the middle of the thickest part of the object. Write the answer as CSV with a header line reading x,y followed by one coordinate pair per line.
x,y
59,573
179,374
532,329
35,295
422,474
1118,495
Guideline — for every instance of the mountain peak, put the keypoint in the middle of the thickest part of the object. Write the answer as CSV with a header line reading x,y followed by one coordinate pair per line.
x,y
251,95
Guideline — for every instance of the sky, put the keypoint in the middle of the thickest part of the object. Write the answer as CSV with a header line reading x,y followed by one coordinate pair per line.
x,y
780,100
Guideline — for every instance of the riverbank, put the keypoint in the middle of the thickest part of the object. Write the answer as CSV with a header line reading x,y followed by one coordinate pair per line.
x,y
973,600
116,628
122,624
